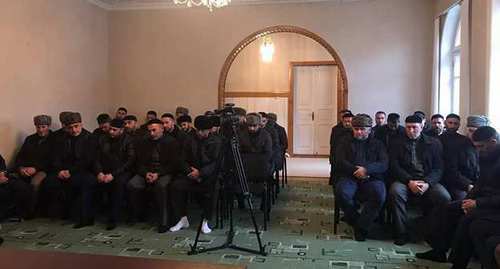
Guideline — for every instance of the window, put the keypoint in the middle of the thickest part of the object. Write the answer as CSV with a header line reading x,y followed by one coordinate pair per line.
x,y
449,71
494,89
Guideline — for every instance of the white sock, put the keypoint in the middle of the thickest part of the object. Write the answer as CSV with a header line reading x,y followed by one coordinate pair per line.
x,y
204,227
183,223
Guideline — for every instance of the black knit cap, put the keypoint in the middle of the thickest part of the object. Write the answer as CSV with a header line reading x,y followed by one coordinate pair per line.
x,y
103,118
413,119
202,122
130,117
348,114
117,123
184,118
484,133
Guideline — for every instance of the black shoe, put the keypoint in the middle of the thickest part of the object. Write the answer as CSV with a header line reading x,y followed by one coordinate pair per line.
x,y
162,229
111,226
359,235
432,255
401,240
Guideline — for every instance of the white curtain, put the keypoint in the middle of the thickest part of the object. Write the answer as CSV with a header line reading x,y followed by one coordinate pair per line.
x,y
435,67
465,74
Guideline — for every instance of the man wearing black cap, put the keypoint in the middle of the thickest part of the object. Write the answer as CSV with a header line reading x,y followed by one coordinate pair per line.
x,y
132,129
121,112
466,224
33,159
417,167
360,167
340,132
283,141
103,120
158,159
113,167
186,124
461,163
256,145
270,127
200,168
390,132
172,130
425,124
72,179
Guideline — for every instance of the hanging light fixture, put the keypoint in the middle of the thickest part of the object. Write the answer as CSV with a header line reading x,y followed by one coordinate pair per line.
x,y
211,4
267,49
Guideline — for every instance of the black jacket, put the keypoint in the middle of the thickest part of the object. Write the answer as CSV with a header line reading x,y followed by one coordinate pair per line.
x,y
338,136
276,145
35,152
461,161
204,155
257,152
115,155
75,154
486,191
375,156
179,135
3,167
388,136
169,154
429,152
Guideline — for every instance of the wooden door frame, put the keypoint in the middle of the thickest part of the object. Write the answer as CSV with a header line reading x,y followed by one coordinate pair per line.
x,y
291,98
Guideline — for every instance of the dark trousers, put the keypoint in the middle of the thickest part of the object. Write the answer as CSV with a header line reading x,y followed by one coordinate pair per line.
x,y
204,193
137,186
462,248
485,234
456,194
77,190
399,194
35,182
18,193
115,191
370,192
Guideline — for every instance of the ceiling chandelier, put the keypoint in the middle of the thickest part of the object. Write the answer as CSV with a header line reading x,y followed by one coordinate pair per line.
x,y
267,49
211,4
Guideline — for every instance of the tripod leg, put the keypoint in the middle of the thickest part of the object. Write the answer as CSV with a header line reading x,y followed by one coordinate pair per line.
x,y
194,247
256,227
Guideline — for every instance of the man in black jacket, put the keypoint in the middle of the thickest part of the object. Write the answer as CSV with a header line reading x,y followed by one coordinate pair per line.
x,y
33,159
172,130
461,164
361,164
113,166
158,158
417,167
103,120
340,132
72,178
453,223
437,126
200,169
390,132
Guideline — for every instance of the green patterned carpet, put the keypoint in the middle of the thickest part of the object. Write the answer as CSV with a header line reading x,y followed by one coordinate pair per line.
x,y
300,236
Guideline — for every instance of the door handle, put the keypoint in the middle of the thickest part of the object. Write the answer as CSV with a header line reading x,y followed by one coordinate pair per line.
x,y
312,115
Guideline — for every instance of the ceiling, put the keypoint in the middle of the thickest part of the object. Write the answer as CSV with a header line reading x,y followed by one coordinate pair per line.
x,y
156,4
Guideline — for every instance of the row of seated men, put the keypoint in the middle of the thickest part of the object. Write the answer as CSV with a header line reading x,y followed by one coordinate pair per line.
x,y
72,167
455,180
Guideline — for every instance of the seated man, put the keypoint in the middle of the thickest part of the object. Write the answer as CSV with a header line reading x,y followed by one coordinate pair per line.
x,y
452,223
13,191
72,179
103,121
132,129
379,121
157,160
390,132
186,124
437,126
172,130
416,165
361,164
113,167
150,115
202,155
461,164
121,112
33,159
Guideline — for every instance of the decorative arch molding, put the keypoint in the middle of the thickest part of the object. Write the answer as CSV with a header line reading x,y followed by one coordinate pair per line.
x,y
342,90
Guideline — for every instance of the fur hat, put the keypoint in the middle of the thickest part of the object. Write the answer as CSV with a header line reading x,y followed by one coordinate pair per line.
x,y
202,122
42,120
254,119
477,121
362,120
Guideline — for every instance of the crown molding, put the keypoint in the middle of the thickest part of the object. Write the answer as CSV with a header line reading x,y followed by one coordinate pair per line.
x,y
169,4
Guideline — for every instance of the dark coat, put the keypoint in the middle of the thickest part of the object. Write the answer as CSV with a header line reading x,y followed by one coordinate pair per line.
x,y
277,151
283,140
170,156
179,135
461,161
376,160
388,136
257,152
204,155
35,152
338,135
75,154
429,152
3,167
486,191
115,156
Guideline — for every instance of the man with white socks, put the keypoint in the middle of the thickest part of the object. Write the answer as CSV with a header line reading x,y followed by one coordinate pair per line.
x,y
201,154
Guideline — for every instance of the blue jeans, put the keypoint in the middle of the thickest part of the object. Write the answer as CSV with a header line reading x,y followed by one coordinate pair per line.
x,y
371,193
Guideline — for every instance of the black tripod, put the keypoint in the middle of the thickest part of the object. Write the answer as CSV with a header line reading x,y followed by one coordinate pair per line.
x,y
228,199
